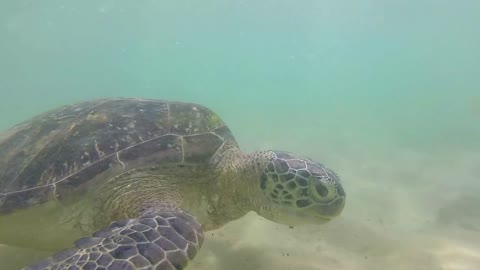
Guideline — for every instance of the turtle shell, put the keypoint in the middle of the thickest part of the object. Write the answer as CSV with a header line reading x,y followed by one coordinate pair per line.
x,y
58,152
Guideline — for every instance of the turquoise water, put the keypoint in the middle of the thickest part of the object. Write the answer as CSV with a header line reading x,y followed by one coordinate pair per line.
x,y
385,92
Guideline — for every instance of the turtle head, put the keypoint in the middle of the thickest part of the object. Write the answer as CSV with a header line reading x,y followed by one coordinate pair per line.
x,y
300,190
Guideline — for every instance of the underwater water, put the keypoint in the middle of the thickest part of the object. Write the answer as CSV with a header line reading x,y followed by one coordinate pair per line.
x,y
387,93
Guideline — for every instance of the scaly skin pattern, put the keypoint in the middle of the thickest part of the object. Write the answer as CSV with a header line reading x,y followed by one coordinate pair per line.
x,y
166,237
164,241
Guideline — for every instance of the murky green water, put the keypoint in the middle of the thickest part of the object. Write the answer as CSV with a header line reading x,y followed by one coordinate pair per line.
x,y
385,92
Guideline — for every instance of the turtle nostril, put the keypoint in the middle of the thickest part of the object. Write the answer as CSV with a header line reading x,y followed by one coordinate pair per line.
x,y
321,189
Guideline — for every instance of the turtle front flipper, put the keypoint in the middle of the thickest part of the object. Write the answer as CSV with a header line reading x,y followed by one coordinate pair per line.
x,y
162,241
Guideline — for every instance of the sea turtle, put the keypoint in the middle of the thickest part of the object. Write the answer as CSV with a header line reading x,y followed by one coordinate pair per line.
x,y
146,177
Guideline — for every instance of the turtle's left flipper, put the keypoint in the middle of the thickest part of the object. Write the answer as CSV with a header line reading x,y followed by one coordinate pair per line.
x,y
166,241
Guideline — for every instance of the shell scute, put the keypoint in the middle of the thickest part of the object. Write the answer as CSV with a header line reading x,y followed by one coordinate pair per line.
x,y
57,153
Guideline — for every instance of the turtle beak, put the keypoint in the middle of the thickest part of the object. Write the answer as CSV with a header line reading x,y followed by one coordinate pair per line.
x,y
314,214
321,213
331,209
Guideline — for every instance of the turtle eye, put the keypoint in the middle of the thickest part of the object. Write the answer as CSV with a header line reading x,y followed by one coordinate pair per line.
x,y
320,190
